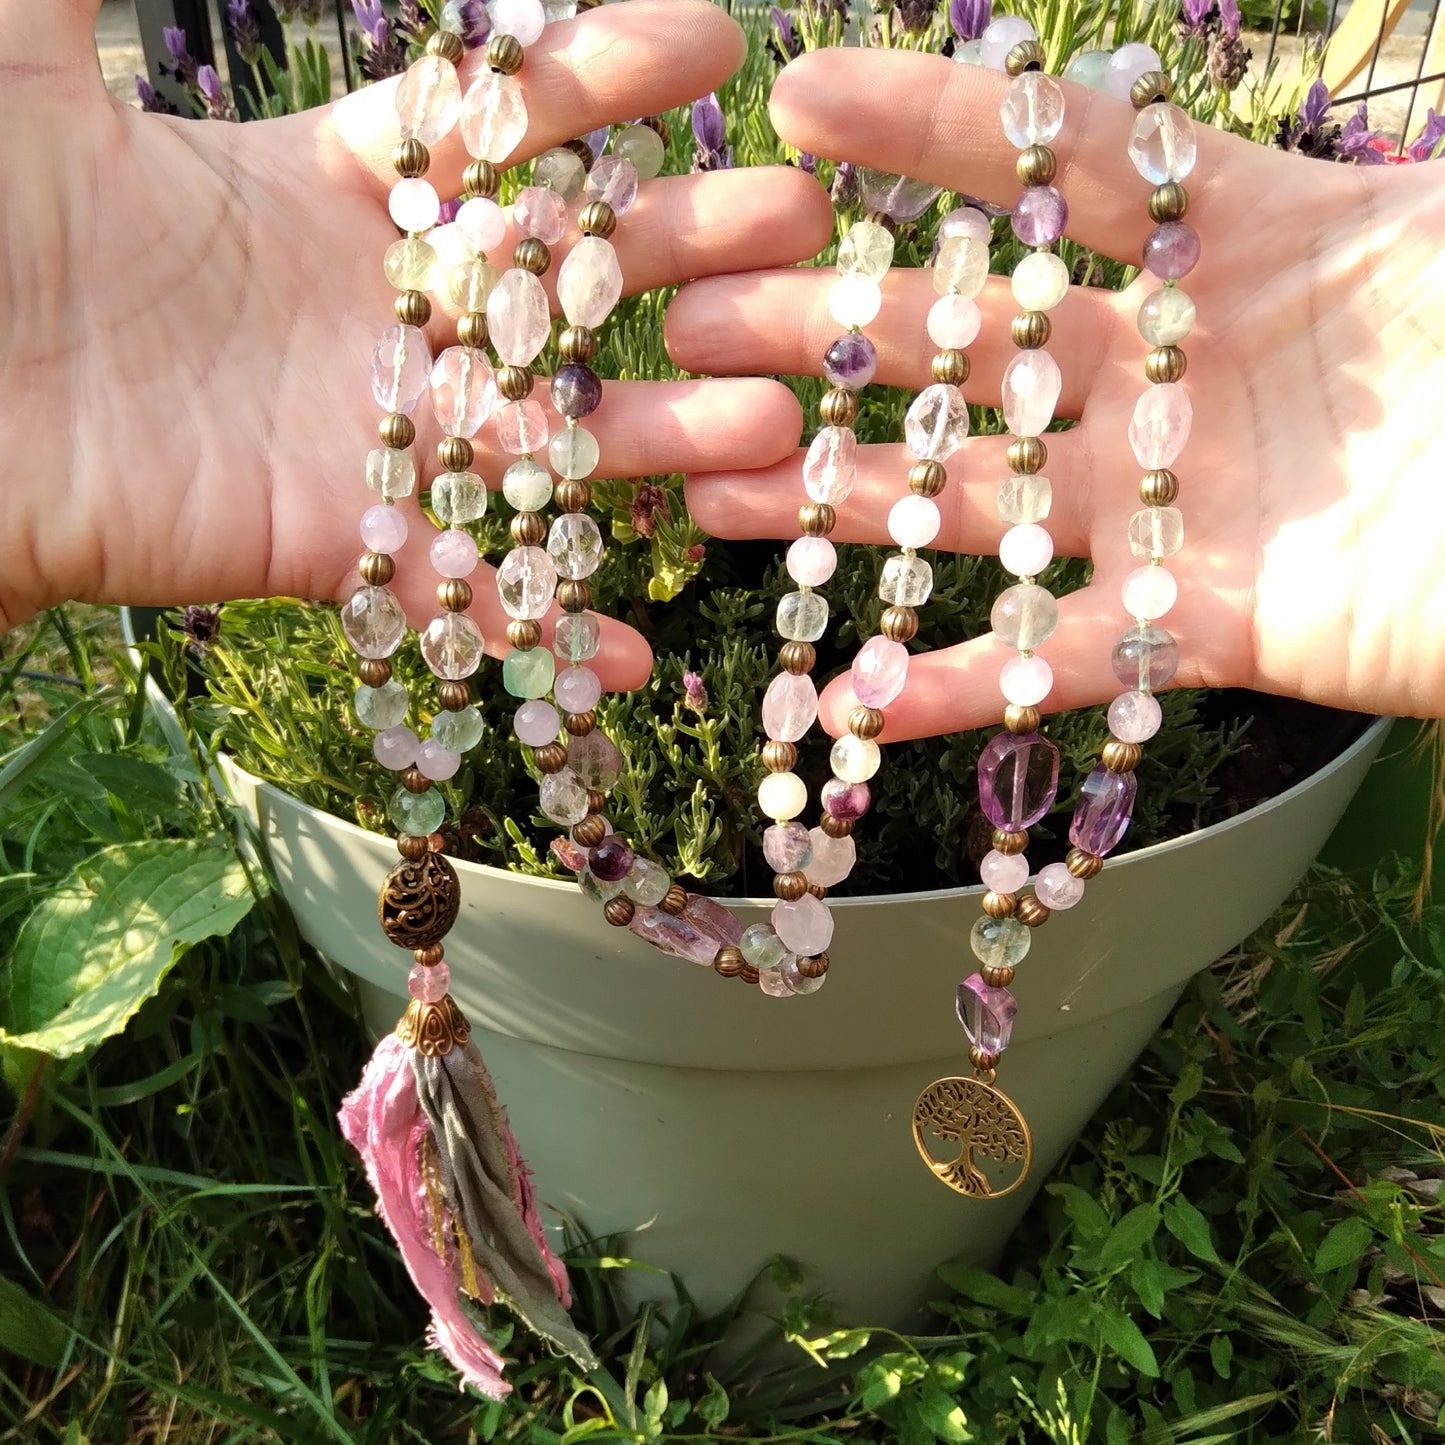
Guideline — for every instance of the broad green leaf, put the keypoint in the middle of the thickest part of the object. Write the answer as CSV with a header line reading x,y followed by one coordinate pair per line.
x,y
1191,1229
1090,1220
713,1408
1145,1278
28,1328
21,766
987,1289
97,946
1130,1235
1126,1339
1221,1355
1344,1244
139,784
941,1413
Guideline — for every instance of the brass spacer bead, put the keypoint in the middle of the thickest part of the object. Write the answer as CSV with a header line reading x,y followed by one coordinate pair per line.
x,y
927,479
1159,489
504,53
790,886
472,329
814,967
397,430
779,757
1151,87
577,343
573,496
454,695
1165,363
653,122
839,407
997,975
1036,166
1026,55
454,594
429,956
581,150
524,633
532,255
981,1059
455,454
1031,912
411,158
528,529
446,44
1010,840
797,657
376,568
579,724
1031,330
1120,757
412,308
597,801
574,596
1027,455
818,891
1168,202
415,781
480,179
749,974
597,219
950,367
550,757
835,827
589,832
999,905
412,846
374,671
729,961
619,910
1083,865
865,722
675,900
1021,719
515,382
899,624
817,519
882,218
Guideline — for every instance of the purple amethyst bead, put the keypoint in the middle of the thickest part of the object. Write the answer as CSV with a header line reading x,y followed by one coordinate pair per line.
x,y
1018,778
1171,250
1040,216
1106,803
611,860
850,361
848,801
987,1014
576,390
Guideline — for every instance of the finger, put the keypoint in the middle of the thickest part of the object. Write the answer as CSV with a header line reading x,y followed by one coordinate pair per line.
x,y
928,117
778,322
744,505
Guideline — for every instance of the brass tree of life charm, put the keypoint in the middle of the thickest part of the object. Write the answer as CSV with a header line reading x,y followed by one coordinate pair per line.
x,y
973,1122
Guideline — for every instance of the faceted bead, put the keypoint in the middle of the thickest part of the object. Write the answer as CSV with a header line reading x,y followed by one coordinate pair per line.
x,y
414,204
1040,281
1024,616
1156,531
1004,872
452,646
901,198
563,798
391,472
1166,317
1134,717
1163,417
575,545
562,171
1026,550
526,19
854,300
782,796
772,983
540,213
1040,216
574,453
812,561
395,748
613,180
429,99
409,264
383,529
453,553
1031,385
987,1014
1149,592
936,423
1025,681
796,979
373,621
436,762
527,485
1000,942
867,250
854,759
961,266
400,368
577,636
1026,498
536,723
966,221
675,936
382,707
1171,250
1033,109
787,847
576,390
1000,36
906,581
802,616
1018,779
647,883
482,224
589,282
761,946
1146,658
611,860
596,759
518,318
879,671
1106,803
471,283
643,147
526,581
805,925
914,521
845,801
522,428
529,673
458,497
850,362
429,985
458,731
417,813
1126,65
463,390
1057,888
599,890
578,689
1161,145
831,466
790,706
1089,68
954,322
833,858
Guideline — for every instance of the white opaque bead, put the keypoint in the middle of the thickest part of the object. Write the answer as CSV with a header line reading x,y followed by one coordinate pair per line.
x,y
1031,385
954,322
961,266
428,99
463,390
812,561
1134,717
802,616
527,485
589,282
454,553
853,759
526,19
519,320
494,116
914,521
1156,531
1025,550
1026,498
1161,145
1000,36
1040,281
1004,872
906,581
855,300
1033,109
482,224
1057,888
867,250
1166,317
1126,65
937,422
1026,681
830,466
414,204
1159,429
574,453
782,796
1149,592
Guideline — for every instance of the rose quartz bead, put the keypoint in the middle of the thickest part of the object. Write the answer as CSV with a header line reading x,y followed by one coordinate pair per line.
x,y
536,723
522,427
914,521
833,859
519,320
805,925
589,282
453,553
1134,717
613,180
1000,36
1026,681
1004,872
812,561
383,529
1160,427
494,116
540,213
429,985
436,762
1026,550
482,224
966,221
400,368
395,748
463,390
879,671
954,322
429,99
526,19
577,689
1057,888
414,204
1126,65
790,706
1149,592
1031,385
830,468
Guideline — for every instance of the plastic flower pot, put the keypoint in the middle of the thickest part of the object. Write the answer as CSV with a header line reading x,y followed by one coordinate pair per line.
x,y
648,1092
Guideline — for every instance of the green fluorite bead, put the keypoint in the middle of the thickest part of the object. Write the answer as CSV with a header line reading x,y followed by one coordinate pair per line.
x,y
530,673
416,812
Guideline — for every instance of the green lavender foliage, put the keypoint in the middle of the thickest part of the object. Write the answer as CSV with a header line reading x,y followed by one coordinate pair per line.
x,y
688,795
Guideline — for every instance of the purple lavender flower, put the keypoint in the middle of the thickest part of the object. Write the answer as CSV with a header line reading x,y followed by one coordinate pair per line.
x,y
371,18
915,16
1195,15
1229,19
149,100
808,162
1358,143
1228,62
413,21
218,105
183,63
1426,145
694,693
382,53
785,43
845,184
1316,105
1311,134
969,18
201,626
709,129
245,30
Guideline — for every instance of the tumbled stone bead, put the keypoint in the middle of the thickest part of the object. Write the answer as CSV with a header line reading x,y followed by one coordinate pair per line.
x,y
395,748
383,529
482,224
596,759
1000,942
529,672
561,170
966,221
563,798
391,472
712,918
470,283
577,637
1018,779
575,545
761,946
833,858
1161,145
648,883
867,250
1126,65
1040,216
1027,498
936,423
879,671
796,979
906,581
1145,658
787,847
400,368
459,731
1026,550
409,264
1171,250
1024,616
527,485
987,1014
844,800
414,204
416,813
805,925
453,553
526,582
458,497
643,147
599,890
954,322
574,453
1025,681
782,796
463,390
1057,888
901,198
1004,872
790,706
1089,68
522,427
576,390
526,19
1160,427
436,762
429,985
540,213
589,282
613,180
429,99
812,561
1033,109
914,521
536,723
373,621
802,616
1149,592
854,300
850,362
830,467
494,116
1000,36
381,707
452,646
518,318
1156,531
577,689
611,860
1106,803
675,936
1166,317
1040,281
1134,717
853,759
961,267
1031,385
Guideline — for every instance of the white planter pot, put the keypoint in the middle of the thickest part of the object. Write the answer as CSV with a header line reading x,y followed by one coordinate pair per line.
x,y
645,1091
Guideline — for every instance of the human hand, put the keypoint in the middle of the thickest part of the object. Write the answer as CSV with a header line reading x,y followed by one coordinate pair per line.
x,y
1314,549
188,309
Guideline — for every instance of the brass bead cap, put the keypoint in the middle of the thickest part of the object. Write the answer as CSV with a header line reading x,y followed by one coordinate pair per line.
x,y
1083,865
814,967
927,479
1021,719
415,781
818,891
1027,455
504,53
1031,330
675,900
455,454
981,1059
899,624
997,975
472,329
528,529
779,757
790,886
397,430
865,722
581,150
950,367
839,407
882,218
515,382
413,308
596,802
835,827
1026,55
524,633
749,974
1151,87
455,695
573,496
1168,202
412,846
1036,166
817,519
999,905
729,961
411,158
1121,757
429,956
797,657
454,594
1165,363
532,255
597,219
574,596
550,757
577,343
446,44
1031,912
374,671
1159,489
589,832
579,724
1010,840
619,911
376,568
480,179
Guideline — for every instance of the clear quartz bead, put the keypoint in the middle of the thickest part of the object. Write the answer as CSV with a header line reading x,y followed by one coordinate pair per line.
x,y
1166,317
1026,498
596,759
1161,145
527,485
373,621
429,99
906,581
400,368
867,250
463,390
494,116
1040,281
961,266
382,707
589,282
1033,109
414,204
526,581
522,427
574,453
1031,385
458,498
409,264
561,171
458,731
830,467
1156,531
1024,616
643,147
853,759
1160,426
452,646
575,545
563,797
391,472
613,180
519,320
936,423
802,616
577,637
790,706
